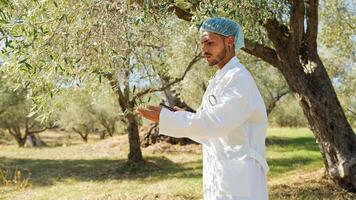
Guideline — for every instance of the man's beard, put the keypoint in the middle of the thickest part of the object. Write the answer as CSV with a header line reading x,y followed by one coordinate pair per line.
x,y
219,58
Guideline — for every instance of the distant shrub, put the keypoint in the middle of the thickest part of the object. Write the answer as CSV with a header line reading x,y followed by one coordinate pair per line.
x,y
288,114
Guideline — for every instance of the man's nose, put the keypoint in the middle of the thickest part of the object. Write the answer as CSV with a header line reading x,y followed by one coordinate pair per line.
x,y
204,50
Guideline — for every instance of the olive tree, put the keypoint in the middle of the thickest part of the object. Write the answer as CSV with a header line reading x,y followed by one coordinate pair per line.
x,y
16,116
90,108
54,43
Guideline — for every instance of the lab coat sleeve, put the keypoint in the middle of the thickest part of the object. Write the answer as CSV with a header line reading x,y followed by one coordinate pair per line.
x,y
232,109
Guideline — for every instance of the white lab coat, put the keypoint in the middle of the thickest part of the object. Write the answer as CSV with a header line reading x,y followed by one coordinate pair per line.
x,y
231,125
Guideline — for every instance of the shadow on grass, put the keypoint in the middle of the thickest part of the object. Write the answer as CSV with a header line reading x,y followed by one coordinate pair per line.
x,y
287,143
283,165
46,172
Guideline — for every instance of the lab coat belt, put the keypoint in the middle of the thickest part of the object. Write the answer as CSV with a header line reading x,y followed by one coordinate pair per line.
x,y
261,160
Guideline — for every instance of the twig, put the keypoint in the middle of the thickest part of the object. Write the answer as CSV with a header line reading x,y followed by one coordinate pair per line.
x,y
151,90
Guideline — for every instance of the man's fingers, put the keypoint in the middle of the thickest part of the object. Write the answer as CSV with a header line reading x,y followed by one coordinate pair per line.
x,y
177,108
155,108
139,110
145,113
151,115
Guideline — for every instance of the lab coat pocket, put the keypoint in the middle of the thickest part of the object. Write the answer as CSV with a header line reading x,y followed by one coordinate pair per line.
x,y
236,178
212,100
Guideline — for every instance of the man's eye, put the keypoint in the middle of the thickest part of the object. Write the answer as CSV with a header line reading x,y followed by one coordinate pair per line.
x,y
209,43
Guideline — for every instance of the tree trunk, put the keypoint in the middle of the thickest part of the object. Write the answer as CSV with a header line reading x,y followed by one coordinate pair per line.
x,y
16,133
109,126
311,85
127,106
336,139
83,135
31,136
34,140
20,141
102,135
135,154
85,138
295,54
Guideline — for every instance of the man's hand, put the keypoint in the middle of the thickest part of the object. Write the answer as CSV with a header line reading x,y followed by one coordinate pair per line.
x,y
178,108
150,112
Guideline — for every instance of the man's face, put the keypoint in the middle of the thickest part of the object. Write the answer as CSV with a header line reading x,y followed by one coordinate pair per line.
x,y
213,47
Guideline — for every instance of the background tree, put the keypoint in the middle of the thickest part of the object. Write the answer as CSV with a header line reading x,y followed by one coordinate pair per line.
x,y
112,40
288,114
91,108
76,113
16,116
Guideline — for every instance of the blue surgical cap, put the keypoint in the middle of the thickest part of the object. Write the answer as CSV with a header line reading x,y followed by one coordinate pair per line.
x,y
225,27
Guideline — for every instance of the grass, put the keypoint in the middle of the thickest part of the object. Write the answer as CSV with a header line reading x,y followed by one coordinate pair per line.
x,y
289,150
98,170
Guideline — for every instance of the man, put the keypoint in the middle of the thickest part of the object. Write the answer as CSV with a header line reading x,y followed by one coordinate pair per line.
x,y
230,123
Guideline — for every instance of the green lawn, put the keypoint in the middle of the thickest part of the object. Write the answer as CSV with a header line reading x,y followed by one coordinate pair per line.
x,y
98,170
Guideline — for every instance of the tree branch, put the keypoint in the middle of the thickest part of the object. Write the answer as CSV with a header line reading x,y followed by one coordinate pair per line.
x,y
114,84
18,131
269,91
12,132
274,101
278,33
27,126
267,54
296,22
83,136
312,23
180,13
151,90
36,131
351,111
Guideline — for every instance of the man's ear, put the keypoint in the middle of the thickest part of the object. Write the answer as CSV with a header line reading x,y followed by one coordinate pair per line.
x,y
231,40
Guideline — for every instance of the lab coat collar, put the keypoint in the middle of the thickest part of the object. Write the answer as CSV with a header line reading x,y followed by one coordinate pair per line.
x,y
233,62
